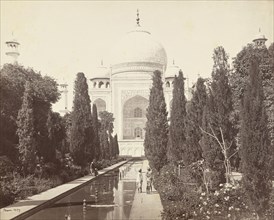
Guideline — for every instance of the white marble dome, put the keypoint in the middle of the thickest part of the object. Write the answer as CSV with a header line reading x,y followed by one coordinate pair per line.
x,y
138,47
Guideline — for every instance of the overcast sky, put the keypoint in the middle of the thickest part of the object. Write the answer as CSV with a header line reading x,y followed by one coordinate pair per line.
x,y
61,38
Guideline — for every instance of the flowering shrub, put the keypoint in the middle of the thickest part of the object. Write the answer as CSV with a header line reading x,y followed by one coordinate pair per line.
x,y
225,203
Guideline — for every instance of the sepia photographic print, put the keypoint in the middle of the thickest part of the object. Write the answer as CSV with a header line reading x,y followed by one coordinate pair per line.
x,y
139,110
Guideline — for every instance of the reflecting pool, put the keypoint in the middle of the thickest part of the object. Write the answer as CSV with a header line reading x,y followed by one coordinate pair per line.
x,y
109,196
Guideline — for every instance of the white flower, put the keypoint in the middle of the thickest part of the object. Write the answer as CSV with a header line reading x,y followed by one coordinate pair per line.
x,y
237,209
205,203
208,212
221,185
231,207
207,217
201,197
216,205
226,198
216,193
203,193
228,215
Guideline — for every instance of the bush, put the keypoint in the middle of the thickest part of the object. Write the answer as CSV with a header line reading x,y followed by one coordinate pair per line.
x,y
6,166
16,187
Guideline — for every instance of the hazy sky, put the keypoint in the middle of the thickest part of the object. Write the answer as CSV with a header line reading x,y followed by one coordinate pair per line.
x,y
61,38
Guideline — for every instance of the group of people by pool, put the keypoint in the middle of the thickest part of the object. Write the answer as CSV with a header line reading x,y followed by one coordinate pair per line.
x,y
139,180
148,179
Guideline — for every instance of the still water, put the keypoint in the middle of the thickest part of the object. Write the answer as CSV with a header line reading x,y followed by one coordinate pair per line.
x,y
109,196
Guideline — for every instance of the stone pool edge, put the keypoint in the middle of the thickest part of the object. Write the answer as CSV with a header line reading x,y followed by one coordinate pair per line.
x,y
18,211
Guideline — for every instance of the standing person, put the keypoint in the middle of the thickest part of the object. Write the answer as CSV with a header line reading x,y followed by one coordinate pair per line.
x,y
149,180
93,169
139,180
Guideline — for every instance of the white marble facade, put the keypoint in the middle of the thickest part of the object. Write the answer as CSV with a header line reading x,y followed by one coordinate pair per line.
x,y
123,88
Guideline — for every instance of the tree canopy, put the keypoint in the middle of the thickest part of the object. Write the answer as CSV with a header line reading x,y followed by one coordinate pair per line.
x,y
81,131
156,136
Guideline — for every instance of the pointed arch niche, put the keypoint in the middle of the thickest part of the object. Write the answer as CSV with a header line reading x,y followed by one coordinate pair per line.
x,y
134,117
100,104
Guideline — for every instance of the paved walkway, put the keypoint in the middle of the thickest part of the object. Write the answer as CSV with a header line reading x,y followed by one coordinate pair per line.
x,y
39,201
146,206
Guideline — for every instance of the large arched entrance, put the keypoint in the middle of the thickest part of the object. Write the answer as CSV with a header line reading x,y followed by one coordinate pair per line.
x,y
134,118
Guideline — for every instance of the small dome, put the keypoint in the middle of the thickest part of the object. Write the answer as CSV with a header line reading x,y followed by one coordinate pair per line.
x,y
260,36
138,46
172,71
101,72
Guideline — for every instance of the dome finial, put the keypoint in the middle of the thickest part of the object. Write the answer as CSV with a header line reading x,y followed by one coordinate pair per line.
x,y
173,61
138,19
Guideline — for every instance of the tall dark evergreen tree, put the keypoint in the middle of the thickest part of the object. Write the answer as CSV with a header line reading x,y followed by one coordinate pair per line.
x,y
116,145
194,121
56,134
25,131
106,130
96,140
239,80
12,85
177,121
255,151
217,117
81,132
156,136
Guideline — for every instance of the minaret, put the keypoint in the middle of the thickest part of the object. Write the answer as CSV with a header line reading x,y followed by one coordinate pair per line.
x,y
260,40
64,90
12,50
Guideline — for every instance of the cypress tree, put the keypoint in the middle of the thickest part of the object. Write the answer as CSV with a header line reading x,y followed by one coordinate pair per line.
x,y
256,153
51,136
25,131
96,140
194,122
177,120
81,132
156,136
217,116
116,145
106,130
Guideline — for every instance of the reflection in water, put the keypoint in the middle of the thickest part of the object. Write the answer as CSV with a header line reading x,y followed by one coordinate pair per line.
x,y
109,196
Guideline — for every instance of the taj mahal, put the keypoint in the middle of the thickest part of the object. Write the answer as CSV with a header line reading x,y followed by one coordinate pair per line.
x,y
124,87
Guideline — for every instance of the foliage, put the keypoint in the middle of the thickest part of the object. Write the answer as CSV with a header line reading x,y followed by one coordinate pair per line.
x,y
27,142
239,79
256,152
6,166
116,145
177,148
217,115
15,187
106,130
156,136
81,131
96,140
194,122
12,85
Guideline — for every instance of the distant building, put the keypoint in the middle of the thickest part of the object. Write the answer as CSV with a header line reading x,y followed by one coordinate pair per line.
x,y
12,51
124,87
259,40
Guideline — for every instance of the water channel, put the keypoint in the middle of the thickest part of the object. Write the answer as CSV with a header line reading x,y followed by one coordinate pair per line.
x,y
109,196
